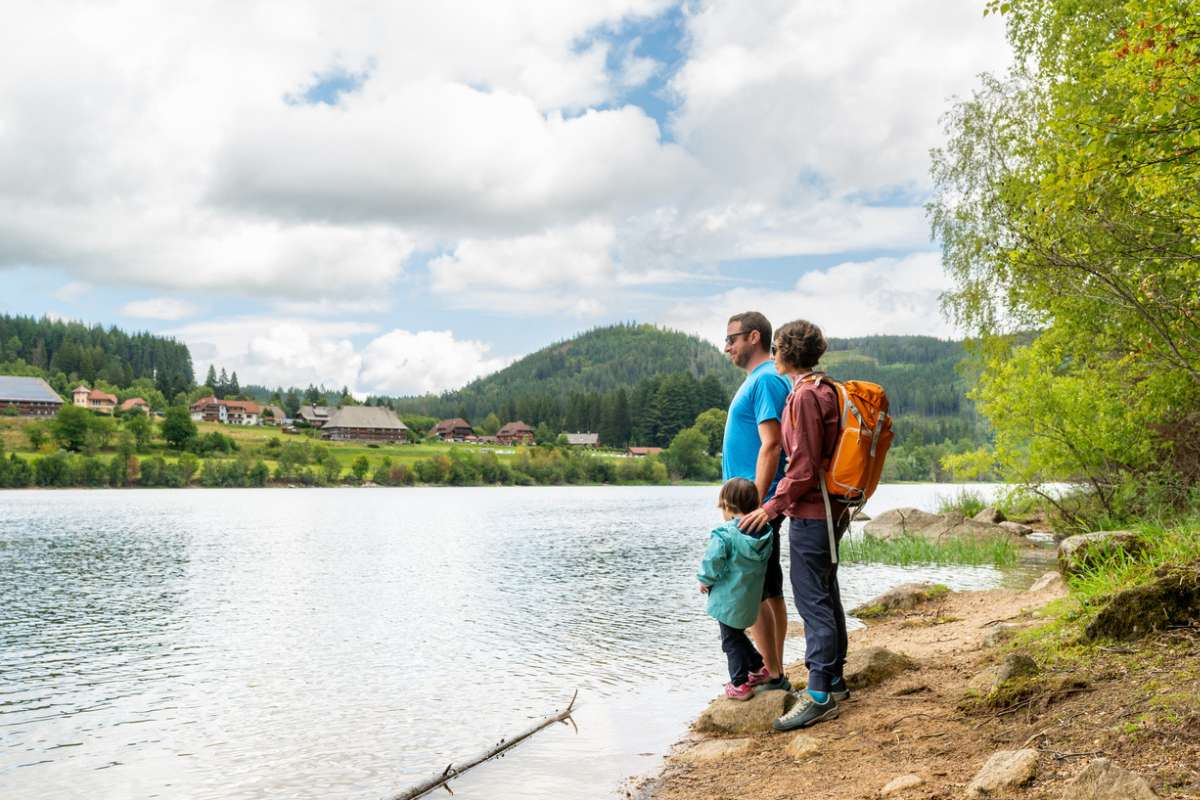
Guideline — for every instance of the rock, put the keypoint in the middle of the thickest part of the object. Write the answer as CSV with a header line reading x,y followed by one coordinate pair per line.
x,y
902,598
1104,780
1016,528
990,514
744,716
901,784
802,746
901,522
1076,552
874,665
861,517
1050,582
715,750
1016,665
1005,770
1000,634
1172,598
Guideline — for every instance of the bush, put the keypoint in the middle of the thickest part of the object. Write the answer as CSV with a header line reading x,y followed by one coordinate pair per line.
x,y
54,470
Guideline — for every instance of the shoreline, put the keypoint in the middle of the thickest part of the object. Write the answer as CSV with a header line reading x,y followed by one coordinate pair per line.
x,y
926,728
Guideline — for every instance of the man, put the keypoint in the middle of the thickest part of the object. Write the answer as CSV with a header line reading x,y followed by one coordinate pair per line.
x,y
753,450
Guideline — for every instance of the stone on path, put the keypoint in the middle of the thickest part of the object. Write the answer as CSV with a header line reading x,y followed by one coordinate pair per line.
x,y
901,784
1016,528
1005,770
803,745
901,598
1051,581
1076,552
1104,780
1016,665
755,715
874,665
990,514
1001,633
715,750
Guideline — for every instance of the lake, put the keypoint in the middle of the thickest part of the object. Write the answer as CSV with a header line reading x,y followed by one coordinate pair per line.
x,y
346,643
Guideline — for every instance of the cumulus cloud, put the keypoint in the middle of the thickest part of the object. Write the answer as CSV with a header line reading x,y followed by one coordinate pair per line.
x,y
299,351
164,308
855,298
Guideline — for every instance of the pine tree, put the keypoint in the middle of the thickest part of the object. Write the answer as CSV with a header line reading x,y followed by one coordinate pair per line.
x,y
234,389
211,380
222,385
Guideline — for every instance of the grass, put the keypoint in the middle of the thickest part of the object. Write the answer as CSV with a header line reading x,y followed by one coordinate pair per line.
x,y
910,550
1114,570
967,502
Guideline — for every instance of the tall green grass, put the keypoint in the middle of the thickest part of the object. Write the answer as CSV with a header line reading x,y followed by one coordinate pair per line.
x,y
905,551
967,502
1113,570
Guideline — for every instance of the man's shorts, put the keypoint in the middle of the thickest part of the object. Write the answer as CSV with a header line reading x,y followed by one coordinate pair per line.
x,y
773,582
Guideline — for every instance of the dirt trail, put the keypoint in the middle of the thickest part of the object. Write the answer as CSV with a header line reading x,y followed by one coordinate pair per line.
x,y
914,722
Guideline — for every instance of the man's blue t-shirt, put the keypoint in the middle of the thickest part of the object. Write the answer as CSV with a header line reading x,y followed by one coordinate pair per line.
x,y
760,398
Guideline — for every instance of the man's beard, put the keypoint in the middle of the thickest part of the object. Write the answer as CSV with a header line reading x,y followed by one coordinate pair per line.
x,y
741,359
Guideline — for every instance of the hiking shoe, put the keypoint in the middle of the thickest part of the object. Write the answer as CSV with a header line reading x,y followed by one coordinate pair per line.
x,y
761,676
772,685
806,712
839,691
743,692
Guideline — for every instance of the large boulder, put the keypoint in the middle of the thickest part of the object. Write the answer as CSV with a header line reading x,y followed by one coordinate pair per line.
x,y
1104,780
900,522
991,515
1003,772
740,717
1050,582
1075,553
1172,598
901,598
1015,528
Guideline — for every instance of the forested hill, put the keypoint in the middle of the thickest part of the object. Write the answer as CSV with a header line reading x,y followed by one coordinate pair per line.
x,y
66,353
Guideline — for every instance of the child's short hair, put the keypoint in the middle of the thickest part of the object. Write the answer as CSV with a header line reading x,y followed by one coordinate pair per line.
x,y
739,495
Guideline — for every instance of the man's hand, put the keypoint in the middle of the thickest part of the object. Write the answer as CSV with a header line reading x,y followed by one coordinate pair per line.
x,y
704,587
755,521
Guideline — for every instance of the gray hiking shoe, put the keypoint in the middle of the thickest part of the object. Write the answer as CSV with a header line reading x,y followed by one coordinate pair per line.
x,y
839,691
781,682
806,712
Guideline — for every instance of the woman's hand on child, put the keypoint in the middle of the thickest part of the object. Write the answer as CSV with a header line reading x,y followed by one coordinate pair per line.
x,y
755,520
704,587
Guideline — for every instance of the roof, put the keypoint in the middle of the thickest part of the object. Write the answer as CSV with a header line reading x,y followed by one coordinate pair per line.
x,y
313,412
452,424
583,438
276,411
134,401
96,394
28,390
205,401
645,451
249,406
365,417
513,428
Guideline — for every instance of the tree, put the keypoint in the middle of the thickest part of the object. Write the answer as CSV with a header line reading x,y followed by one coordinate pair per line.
x,y
177,427
211,379
234,388
312,395
142,430
490,425
36,434
360,467
291,402
711,423
685,456
222,384
12,349
70,427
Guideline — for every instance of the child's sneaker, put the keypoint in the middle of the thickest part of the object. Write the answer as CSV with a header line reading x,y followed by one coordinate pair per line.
x,y
743,692
761,676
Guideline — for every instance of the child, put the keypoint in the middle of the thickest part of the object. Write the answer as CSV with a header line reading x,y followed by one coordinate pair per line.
x,y
731,574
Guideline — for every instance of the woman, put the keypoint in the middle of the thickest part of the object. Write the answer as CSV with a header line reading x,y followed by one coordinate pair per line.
x,y
810,428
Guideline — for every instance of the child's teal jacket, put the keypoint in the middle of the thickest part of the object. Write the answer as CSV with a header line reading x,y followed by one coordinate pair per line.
x,y
734,566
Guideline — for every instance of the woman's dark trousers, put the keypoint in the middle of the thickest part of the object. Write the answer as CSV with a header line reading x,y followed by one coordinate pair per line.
x,y
819,600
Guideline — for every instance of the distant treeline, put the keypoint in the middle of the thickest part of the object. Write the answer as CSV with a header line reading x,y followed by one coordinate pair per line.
x,y
65,353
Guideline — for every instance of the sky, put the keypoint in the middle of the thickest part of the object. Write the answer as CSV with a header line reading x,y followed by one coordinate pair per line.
x,y
400,197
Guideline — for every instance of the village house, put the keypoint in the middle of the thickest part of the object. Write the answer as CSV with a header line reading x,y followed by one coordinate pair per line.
x,y
515,433
135,403
583,439
94,399
642,452
31,397
226,412
364,423
274,415
315,416
454,430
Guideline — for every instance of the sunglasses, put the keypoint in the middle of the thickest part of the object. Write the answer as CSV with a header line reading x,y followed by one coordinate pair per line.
x,y
731,338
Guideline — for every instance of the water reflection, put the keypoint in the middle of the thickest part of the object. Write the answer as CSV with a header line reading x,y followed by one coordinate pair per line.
x,y
346,643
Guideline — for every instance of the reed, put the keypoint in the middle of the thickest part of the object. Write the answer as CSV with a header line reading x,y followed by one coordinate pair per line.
x,y
910,550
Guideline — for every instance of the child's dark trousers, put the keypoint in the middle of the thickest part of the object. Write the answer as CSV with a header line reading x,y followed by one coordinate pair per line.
x,y
739,650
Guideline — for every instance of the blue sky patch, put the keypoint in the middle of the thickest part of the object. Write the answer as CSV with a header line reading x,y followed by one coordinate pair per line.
x,y
328,87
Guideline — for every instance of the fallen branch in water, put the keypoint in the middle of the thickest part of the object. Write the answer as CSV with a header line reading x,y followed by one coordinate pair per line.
x,y
455,769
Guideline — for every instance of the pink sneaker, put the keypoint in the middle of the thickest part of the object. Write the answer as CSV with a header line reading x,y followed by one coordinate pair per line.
x,y
743,692
761,676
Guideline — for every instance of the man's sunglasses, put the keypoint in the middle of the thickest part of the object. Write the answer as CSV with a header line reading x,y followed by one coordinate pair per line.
x,y
731,338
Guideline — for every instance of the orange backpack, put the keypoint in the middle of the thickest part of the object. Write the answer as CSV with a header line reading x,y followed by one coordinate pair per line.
x,y
864,436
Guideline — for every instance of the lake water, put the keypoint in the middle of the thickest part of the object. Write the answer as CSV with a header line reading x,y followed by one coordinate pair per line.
x,y
346,643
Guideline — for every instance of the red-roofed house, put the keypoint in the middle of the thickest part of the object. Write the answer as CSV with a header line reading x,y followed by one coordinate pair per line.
x,y
642,452
135,403
456,430
94,399
226,412
515,433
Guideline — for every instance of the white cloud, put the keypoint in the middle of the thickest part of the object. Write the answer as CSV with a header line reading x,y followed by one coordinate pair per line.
x,y
855,298
404,362
72,292
287,351
164,308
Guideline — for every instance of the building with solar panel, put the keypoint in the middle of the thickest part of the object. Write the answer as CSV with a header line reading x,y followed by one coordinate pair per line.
x,y
31,397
